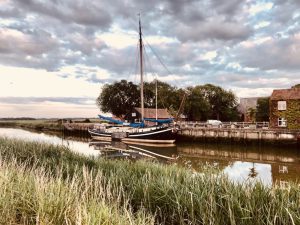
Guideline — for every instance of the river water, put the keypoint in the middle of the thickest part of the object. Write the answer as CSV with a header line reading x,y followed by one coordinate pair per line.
x,y
240,163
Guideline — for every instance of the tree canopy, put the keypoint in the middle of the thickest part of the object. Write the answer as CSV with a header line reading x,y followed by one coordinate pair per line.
x,y
121,97
211,102
118,98
203,101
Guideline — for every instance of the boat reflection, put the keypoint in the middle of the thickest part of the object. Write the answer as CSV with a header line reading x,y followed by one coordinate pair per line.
x,y
117,149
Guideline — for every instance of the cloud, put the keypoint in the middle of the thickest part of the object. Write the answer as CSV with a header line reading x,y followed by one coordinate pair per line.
x,y
233,43
48,110
34,100
84,43
281,53
34,42
69,11
215,29
30,49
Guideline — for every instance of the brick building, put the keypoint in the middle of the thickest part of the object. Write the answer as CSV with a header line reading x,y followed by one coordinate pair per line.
x,y
285,108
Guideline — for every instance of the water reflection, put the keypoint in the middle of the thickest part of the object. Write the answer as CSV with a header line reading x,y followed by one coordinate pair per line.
x,y
240,163
56,139
115,149
267,164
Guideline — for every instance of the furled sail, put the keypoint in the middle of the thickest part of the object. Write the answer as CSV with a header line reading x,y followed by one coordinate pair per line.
x,y
110,119
170,120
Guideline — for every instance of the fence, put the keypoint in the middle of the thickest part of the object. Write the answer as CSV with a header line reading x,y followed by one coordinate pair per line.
x,y
226,125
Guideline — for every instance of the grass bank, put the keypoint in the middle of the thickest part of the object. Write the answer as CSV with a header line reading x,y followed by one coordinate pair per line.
x,y
34,124
42,183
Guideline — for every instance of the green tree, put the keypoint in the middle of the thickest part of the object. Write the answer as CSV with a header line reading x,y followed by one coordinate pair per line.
x,y
223,104
262,109
119,98
211,102
196,106
168,96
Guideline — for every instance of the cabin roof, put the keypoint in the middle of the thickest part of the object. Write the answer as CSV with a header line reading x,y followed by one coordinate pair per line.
x,y
150,113
286,94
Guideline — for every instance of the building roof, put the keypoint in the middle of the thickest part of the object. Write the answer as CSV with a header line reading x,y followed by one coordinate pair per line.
x,y
286,94
150,113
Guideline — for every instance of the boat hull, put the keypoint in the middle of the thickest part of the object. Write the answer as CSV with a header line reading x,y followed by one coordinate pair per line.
x,y
162,135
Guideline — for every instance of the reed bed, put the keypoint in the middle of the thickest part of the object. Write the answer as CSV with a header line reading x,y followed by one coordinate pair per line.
x,y
47,184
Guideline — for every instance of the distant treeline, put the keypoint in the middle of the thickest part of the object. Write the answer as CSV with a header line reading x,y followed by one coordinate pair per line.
x,y
18,118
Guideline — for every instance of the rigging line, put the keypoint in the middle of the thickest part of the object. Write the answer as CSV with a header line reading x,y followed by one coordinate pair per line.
x,y
148,66
155,77
161,62
157,56
133,72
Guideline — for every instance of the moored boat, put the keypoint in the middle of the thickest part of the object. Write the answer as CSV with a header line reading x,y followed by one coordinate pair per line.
x,y
161,132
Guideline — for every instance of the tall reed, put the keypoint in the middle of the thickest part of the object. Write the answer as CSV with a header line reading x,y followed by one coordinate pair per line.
x,y
169,194
33,196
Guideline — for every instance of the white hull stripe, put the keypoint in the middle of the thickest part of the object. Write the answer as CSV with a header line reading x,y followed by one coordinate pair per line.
x,y
150,133
100,134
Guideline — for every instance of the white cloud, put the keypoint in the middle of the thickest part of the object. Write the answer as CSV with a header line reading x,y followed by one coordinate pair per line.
x,y
117,38
260,7
48,110
262,24
24,82
209,55
251,92
240,171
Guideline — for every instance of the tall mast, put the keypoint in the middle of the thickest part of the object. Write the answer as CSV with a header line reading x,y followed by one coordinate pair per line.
x,y
141,70
156,98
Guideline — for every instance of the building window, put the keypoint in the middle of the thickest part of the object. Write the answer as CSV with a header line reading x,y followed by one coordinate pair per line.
x,y
281,122
281,105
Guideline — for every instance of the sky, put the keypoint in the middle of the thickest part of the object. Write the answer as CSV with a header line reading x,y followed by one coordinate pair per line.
x,y
55,55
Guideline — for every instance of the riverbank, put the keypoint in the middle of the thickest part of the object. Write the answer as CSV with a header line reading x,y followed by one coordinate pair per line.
x,y
141,192
34,124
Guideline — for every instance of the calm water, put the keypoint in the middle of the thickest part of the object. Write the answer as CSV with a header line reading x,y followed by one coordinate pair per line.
x,y
240,163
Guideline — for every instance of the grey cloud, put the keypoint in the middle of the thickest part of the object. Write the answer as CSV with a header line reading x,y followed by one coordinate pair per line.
x,y
69,11
214,30
10,12
274,54
94,79
35,49
50,64
84,43
229,7
195,20
31,43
